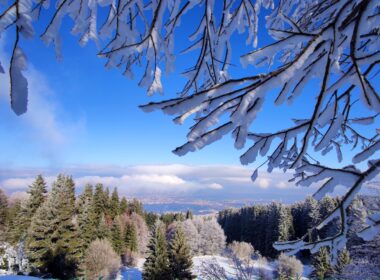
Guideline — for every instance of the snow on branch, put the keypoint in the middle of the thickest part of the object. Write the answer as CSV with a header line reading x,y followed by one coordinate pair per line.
x,y
336,43
353,180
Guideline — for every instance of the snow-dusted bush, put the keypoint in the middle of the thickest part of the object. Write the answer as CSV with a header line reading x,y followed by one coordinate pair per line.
x,y
242,250
100,261
204,236
289,267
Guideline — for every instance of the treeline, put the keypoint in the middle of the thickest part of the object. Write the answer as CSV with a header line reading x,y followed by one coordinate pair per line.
x,y
58,234
262,225
55,229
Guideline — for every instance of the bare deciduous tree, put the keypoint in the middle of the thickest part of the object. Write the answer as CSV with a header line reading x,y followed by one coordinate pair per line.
x,y
100,261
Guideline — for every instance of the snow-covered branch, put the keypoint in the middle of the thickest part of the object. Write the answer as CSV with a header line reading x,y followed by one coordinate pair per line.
x,y
330,46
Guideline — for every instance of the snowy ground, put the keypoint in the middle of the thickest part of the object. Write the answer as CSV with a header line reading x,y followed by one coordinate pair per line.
x,y
134,273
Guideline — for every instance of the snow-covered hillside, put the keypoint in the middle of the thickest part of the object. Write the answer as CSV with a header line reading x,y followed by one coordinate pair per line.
x,y
135,273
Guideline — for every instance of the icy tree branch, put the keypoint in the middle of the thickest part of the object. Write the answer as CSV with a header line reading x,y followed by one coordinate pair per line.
x,y
332,47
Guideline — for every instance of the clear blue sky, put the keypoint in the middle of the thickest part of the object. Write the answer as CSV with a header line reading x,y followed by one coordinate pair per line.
x,y
81,114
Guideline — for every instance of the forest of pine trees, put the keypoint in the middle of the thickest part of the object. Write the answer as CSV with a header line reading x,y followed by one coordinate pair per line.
x,y
56,227
60,233
262,225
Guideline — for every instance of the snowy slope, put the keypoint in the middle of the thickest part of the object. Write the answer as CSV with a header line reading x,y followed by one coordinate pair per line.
x,y
135,273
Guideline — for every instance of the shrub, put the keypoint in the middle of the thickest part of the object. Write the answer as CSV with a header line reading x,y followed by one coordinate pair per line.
x,y
242,250
100,261
289,267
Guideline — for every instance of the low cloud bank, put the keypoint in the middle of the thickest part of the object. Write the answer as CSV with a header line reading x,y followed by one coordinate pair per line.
x,y
207,181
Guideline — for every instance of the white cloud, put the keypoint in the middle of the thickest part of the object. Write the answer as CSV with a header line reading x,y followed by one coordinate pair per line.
x,y
263,182
16,183
161,179
215,186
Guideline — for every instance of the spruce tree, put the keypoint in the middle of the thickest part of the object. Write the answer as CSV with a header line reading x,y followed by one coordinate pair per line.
x,y
37,192
3,213
156,266
116,237
130,237
106,201
313,217
114,204
103,231
123,205
321,263
37,195
39,244
343,260
180,261
88,194
100,201
53,243
86,218
16,222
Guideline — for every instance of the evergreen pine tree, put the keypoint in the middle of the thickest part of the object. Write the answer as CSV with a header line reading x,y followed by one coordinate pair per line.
x,y
16,222
100,201
3,213
116,237
180,261
86,218
106,201
285,221
53,244
130,237
114,204
123,205
326,206
103,231
39,244
343,260
37,195
88,194
313,217
321,263
37,192
156,266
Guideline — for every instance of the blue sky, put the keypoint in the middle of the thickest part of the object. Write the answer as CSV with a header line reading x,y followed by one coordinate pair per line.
x,y
85,120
